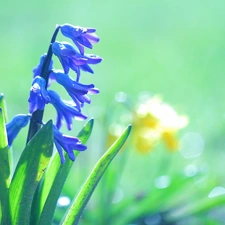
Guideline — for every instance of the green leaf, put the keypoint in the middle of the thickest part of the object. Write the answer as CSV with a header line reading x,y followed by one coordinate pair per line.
x,y
4,163
3,106
74,213
110,182
29,170
49,189
3,134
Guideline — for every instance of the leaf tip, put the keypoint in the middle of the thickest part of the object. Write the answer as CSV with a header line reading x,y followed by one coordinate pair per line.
x,y
49,122
1,96
129,127
91,121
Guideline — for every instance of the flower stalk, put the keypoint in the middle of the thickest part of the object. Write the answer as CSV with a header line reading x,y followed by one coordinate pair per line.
x,y
37,116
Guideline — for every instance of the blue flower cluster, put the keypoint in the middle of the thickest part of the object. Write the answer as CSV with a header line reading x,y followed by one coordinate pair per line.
x,y
40,95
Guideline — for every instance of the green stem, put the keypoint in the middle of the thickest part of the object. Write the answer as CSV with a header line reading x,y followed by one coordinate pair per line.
x,y
37,116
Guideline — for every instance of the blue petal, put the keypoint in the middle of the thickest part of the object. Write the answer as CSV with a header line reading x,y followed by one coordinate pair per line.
x,y
68,143
64,110
15,125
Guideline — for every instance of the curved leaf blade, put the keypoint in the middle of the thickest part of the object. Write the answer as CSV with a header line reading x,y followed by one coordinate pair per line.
x,y
30,169
74,213
49,189
4,163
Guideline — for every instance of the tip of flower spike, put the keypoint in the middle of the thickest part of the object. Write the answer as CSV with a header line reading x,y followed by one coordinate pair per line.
x,y
80,35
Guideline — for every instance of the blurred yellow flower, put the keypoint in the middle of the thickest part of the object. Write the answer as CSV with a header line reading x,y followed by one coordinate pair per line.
x,y
145,139
155,120
170,139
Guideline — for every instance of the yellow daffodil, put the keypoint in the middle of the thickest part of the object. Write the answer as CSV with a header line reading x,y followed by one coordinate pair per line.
x,y
155,120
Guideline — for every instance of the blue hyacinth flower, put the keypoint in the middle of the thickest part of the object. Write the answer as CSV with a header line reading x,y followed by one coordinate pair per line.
x,y
38,95
80,36
38,68
77,91
68,143
65,110
72,59
15,125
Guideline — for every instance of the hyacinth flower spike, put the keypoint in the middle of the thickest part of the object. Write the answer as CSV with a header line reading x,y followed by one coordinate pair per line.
x,y
38,95
15,125
77,91
65,110
80,36
72,59
68,143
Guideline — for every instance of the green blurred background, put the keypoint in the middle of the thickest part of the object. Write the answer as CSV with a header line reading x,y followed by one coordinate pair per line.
x,y
173,48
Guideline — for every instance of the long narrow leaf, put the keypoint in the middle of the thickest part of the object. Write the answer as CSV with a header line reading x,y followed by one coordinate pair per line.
x,y
4,163
49,190
30,168
3,106
79,203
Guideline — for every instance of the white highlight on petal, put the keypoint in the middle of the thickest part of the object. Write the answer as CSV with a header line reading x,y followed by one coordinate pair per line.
x,y
35,88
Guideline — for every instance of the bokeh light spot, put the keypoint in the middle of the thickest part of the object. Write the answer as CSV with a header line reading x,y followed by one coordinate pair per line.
x,y
192,145
63,201
121,96
190,170
162,182
118,196
216,192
